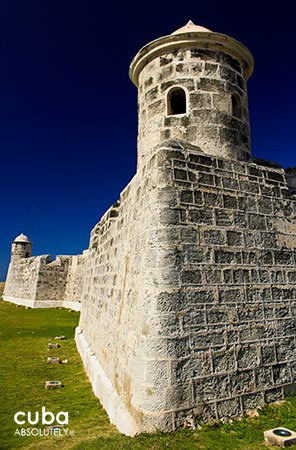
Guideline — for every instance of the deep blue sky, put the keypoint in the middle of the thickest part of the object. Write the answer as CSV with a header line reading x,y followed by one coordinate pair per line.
x,y
68,111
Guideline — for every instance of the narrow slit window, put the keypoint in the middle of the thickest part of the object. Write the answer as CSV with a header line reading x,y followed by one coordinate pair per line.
x,y
176,101
237,110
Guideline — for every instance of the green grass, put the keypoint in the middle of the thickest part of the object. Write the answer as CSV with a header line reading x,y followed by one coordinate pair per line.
x,y
24,337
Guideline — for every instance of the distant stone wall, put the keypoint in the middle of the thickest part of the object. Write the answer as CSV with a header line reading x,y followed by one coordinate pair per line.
x,y
189,298
52,278
21,281
39,282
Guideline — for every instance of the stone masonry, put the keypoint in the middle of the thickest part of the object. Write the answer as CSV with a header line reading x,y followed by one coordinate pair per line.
x,y
39,282
189,303
188,287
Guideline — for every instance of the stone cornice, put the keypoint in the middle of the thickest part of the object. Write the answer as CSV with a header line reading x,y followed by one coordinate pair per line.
x,y
197,40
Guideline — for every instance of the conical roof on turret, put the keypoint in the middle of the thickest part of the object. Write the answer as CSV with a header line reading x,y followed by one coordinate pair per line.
x,y
22,238
191,36
190,27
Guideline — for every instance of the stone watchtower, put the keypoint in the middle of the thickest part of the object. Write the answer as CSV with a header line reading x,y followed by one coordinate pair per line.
x,y
21,247
188,311
192,86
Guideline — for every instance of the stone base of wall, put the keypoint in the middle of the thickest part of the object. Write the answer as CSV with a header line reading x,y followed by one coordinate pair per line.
x,y
32,303
76,306
104,390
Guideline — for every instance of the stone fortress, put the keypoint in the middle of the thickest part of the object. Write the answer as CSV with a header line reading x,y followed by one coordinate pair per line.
x,y
188,287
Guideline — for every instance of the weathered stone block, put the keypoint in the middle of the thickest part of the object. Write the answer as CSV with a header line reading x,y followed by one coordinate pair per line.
x,y
257,222
53,384
214,237
206,84
248,357
200,296
53,345
200,101
180,174
281,374
206,179
268,354
252,401
191,277
212,199
223,218
248,186
230,295
241,381
222,102
224,361
53,360
283,258
206,389
212,276
241,276
229,408
234,238
230,183
195,255
201,216
186,197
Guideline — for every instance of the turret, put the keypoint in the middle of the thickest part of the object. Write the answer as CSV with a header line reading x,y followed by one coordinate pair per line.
x,y
192,87
21,247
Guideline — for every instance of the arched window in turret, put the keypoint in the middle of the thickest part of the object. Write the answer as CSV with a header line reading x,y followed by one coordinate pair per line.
x,y
176,101
237,109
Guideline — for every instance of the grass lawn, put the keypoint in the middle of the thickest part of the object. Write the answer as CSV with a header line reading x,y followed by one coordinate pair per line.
x,y
24,337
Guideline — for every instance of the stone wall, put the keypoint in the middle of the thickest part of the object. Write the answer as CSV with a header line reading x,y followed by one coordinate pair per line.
x,y
118,311
189,299
232,296
75,280
39,282
52,278
21,281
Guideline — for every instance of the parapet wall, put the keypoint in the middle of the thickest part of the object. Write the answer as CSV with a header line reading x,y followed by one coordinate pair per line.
x,y
189,299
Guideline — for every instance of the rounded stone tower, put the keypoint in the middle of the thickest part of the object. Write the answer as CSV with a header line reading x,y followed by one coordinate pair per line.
x,y
21,247
192,87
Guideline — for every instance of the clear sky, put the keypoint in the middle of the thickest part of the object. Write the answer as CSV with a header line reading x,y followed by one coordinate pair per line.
x,y
68,111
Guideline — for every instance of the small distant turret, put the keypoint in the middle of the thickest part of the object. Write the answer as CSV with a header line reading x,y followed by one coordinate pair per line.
x,y
21,247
